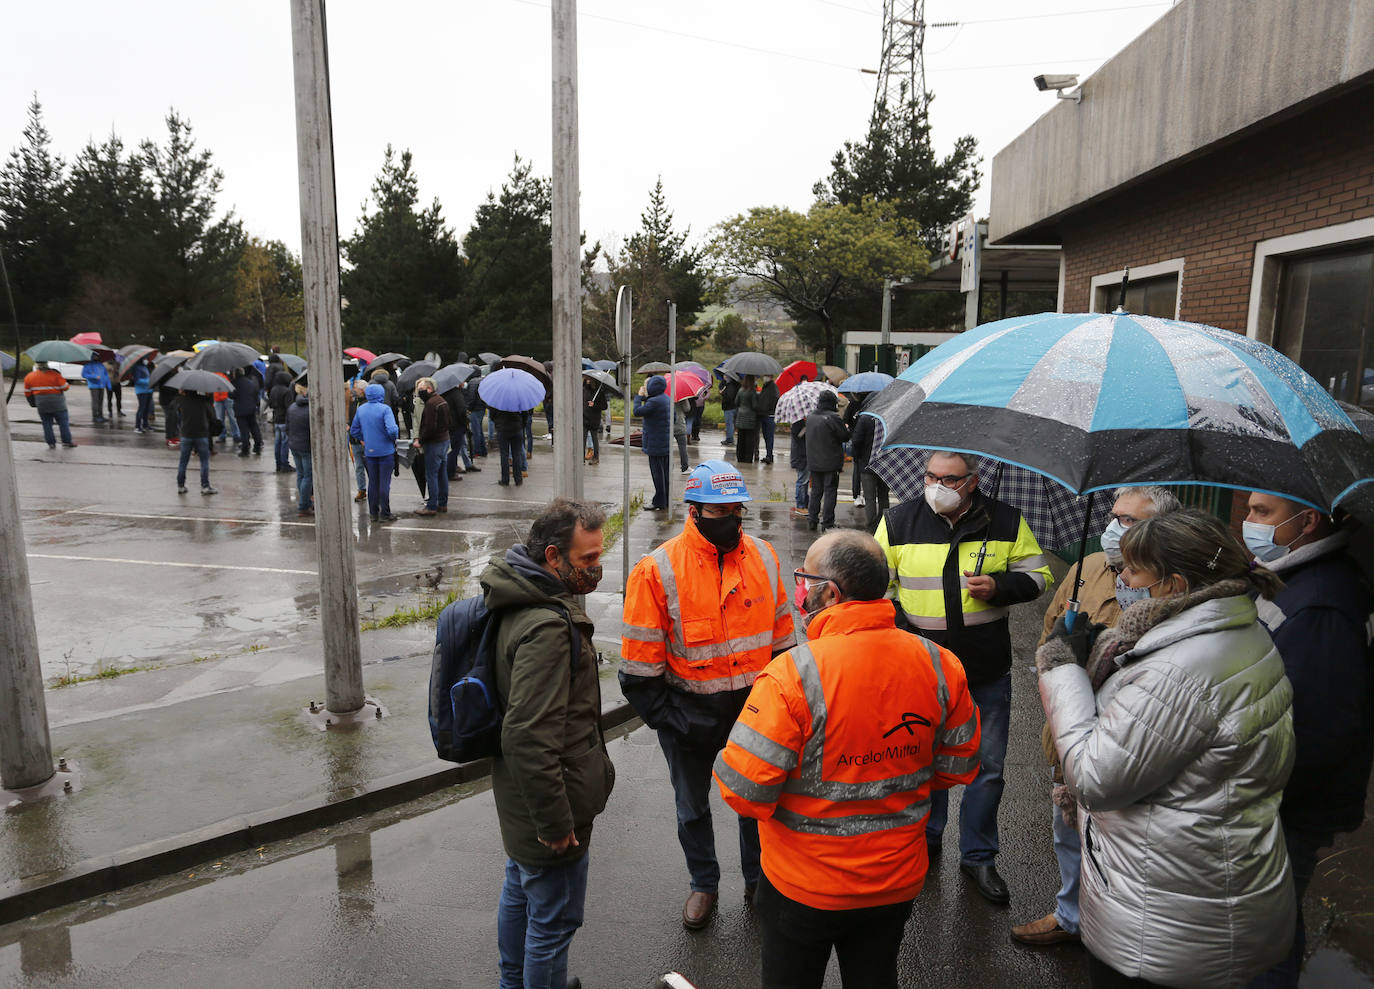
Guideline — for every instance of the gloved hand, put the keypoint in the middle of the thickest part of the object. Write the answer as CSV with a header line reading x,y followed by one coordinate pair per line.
x,y
1077,640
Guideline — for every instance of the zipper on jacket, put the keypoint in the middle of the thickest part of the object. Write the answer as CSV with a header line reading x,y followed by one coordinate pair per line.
x,y
1092,857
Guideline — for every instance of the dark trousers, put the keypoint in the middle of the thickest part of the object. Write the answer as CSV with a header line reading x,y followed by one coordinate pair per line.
x,y
379,484
512,446
797,940
689,770
248,428
682,451
115,397
875,499
97,405
171,421
60,420
144,416
658,470
825,487
1103,976
746,445
769,426
477,420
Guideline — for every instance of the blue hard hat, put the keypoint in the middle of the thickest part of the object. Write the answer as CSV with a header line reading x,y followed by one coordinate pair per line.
x,y
716,482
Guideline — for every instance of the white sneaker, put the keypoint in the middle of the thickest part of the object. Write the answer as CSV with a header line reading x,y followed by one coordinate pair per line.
x,y
547,436
859,502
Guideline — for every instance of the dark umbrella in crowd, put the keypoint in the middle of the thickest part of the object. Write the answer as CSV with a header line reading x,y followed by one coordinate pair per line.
x,y
752,362
198,380
603,380
382,360
167,365
412,374
223,357
130,356
293,363
654,367
534,367
605,365
453,376
487,357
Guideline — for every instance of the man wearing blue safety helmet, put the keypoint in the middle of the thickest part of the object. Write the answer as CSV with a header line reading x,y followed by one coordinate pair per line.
x,y
704,614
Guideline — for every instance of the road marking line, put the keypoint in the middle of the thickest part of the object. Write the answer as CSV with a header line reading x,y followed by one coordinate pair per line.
x,y
166,563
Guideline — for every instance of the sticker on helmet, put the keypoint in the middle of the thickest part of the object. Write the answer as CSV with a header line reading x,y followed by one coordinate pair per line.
x,y
719,479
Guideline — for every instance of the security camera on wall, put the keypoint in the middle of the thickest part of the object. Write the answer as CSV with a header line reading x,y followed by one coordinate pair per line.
x,y
1059,83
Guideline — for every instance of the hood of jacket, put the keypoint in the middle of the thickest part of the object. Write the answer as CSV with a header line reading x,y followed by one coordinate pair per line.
x,y
375,393
826,402
380,376
518,581
302,400
655,386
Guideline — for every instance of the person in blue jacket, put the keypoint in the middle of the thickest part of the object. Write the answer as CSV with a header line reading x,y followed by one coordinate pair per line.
x,y
143,418
98,381
656,409
374,425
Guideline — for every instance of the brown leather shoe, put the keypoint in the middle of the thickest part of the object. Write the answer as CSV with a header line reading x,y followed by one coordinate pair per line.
x,y
696,913
1042,933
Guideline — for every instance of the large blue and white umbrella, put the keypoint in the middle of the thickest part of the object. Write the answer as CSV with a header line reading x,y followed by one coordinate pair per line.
x,y
865,381
1096,401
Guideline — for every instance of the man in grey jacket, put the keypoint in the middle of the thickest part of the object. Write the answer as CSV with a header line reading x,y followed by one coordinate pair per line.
x,y
553,775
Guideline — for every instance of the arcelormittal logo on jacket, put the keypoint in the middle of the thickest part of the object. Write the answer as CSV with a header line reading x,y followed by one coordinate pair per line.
x,y
898,750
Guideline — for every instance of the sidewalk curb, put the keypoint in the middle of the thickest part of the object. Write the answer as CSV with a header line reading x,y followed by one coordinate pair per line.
x,y
104,874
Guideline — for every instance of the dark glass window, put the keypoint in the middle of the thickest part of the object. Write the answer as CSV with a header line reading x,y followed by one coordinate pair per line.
x,y
1326,303
1156,296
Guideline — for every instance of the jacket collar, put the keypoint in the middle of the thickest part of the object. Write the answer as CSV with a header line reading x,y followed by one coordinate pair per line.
x,y
698,543
1334,543
849,617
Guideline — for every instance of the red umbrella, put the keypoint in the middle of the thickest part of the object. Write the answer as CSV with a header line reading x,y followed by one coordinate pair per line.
x,y
361,353
90,339
683,384
794,372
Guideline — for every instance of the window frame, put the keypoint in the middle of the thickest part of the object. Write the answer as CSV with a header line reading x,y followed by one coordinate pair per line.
x,y
1173,266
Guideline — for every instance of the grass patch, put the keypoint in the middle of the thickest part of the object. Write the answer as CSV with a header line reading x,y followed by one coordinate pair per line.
x,y
103,673
615,523
427,611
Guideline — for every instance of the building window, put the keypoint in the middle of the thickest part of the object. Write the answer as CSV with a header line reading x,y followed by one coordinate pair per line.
x,y
1153,289
1325,317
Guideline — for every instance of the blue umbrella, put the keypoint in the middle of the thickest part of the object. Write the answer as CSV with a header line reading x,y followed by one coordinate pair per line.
x,y
865,381
511,390
588,364
6,361
605,365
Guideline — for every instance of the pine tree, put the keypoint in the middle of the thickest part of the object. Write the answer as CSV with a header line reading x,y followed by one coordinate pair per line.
x,y
35,232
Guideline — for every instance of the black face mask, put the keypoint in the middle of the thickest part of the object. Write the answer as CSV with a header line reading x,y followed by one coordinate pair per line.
x,y
579,580
722,532
425,395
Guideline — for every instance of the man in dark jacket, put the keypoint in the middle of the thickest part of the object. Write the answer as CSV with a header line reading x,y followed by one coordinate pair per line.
x,y
656,436
477,413
298,441
246,394
729,398
767,405
434,441
458,434
595,400
747,422
1320,623
825,437
510,439
196,415
280,395
870,489
554,774
796,458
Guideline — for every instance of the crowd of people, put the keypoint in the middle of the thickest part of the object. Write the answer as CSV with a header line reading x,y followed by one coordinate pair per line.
x,y
1209,725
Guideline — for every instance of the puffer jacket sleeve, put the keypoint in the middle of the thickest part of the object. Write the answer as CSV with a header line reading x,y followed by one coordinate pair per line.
x,y
1156,722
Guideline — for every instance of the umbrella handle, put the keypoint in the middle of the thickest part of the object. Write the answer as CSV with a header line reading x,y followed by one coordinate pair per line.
x,y
1072,611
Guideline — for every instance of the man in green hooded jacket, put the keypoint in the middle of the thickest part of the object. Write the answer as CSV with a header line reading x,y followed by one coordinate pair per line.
x,y
554,774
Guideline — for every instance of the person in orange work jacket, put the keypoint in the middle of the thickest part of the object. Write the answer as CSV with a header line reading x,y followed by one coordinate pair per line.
x,y
704,614
836,752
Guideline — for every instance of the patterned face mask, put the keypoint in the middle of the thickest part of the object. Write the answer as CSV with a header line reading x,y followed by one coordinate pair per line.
x,y
580,580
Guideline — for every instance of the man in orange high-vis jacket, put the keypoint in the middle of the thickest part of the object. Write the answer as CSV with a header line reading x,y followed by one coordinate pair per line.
x,y
836,753
44,388
704,613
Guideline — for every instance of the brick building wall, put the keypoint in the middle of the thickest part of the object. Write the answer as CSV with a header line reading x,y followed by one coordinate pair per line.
x,y
1312,171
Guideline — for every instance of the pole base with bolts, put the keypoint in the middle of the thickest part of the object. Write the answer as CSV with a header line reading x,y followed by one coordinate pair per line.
x,y
65,781
370,713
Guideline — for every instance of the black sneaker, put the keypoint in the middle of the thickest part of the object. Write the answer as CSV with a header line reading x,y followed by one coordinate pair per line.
x,y
474,469
388,517
181,489
207,490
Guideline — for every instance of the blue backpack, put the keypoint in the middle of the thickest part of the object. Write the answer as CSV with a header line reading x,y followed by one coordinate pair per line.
x,y
464,711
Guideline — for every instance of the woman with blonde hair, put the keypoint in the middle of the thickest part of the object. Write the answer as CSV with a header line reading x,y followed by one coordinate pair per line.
x,y
1176,734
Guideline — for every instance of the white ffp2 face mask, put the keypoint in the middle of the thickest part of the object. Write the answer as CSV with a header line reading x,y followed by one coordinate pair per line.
x,y
942,499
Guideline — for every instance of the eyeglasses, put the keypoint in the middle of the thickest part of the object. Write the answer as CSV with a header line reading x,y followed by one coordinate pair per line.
x,y
1126,520
724,511
802,577
949,480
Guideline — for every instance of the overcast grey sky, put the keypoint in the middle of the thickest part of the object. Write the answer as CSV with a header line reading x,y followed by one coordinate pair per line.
x,y
736,103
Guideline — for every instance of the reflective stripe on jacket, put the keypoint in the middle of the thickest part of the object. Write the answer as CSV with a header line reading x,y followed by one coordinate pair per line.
x,y
706,623
837,750
927,558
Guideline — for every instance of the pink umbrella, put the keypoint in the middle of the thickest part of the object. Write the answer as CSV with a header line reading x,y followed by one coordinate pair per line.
x,y
91,339
360,353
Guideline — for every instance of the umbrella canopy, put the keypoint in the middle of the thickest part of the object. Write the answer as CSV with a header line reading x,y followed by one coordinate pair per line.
x,y
61,350
90,339
800,401
694,367
6,361
1095,401
390,357
293,363
603,379
588,364
723,373
131,355
752,362
167,365
865,381
793,373
197,379
511,389
412,374
682,385
222,357
655,367
487,357
362,353
834,374
607,366
534,367
200,345
129,348
452,376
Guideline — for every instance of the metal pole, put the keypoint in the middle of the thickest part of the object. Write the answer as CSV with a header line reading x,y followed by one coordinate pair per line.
x,y
672,393
622,339
567,270
25,748
343,666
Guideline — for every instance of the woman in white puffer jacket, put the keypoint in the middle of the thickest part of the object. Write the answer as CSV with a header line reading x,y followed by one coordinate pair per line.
x,y
1177,763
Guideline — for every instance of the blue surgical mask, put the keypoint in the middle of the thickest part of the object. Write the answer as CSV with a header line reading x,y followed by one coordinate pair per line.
x,y
1111,541
1259,539
1127,596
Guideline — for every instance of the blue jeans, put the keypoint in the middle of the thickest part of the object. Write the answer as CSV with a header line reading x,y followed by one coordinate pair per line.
x,y
1069,852
978,813
529,432
479,433
281,449
224,409
436,475
689,769
201,446
458,450
359,465
379,484
1303,846
63,425
658,470
539,912
803,492
143,417
768,426
729,426
305,481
